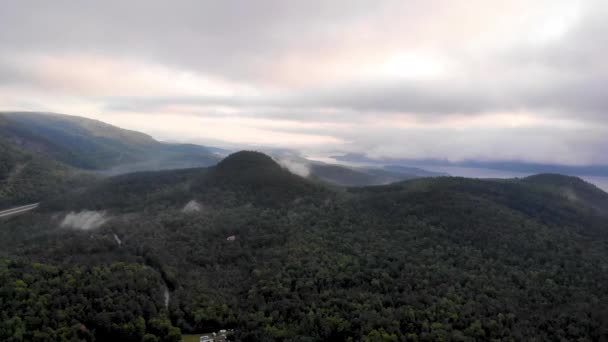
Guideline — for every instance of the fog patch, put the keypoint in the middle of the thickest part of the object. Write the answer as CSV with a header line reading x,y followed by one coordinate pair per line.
x,y
298,167
118,240
166,296
192,207
570,195
84,220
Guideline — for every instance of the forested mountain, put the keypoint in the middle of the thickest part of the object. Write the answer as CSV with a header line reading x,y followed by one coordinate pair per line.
x,y
27,177
45,153
247,245
351,176
94,145
511,167
415,171
108,150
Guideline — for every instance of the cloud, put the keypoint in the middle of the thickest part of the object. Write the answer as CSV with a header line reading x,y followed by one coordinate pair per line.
x,y
297,166
438,79
84,220
192,207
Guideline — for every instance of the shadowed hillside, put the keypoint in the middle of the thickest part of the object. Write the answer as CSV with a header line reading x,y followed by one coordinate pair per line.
x,y
346,176
255,177
94,145
241,178
27,178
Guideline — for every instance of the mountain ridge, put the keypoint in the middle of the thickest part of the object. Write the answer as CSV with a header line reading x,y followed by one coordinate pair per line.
x,y
94,145
500,165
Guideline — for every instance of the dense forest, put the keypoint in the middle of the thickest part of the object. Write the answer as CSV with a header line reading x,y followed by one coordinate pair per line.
x,y
27,177
46,303
249,246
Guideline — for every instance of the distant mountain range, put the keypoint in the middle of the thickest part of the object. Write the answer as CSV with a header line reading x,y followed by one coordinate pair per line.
x,y
510,166
344,175
67,145
74,143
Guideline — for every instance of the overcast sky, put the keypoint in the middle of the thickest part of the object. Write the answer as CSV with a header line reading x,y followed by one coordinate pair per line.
x,y
470,79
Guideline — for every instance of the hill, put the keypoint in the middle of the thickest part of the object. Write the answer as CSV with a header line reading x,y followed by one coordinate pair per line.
x,y
414,171
279,257
349,176
94,145
242,178
254,176
573,188
108,150
27,178
506,166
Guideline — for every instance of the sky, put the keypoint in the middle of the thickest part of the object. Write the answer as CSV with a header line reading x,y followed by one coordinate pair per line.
x,y
459,80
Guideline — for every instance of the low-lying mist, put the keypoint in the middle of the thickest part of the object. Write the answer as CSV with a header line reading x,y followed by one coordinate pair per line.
x,y
84,220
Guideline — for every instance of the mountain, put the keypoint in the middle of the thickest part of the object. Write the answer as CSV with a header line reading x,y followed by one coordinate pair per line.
x,y
350,176
108,150
243,178
247,245
27,177
506,166
94,145
343,175
413,171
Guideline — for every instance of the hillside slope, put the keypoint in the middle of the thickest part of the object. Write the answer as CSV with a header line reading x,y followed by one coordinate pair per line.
x,y
243,178
348,176
27,178
94,145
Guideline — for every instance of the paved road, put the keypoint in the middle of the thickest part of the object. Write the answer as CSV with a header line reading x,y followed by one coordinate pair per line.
x,y
18,210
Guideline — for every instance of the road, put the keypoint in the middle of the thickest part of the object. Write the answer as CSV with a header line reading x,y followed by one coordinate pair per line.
x,y
18,210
